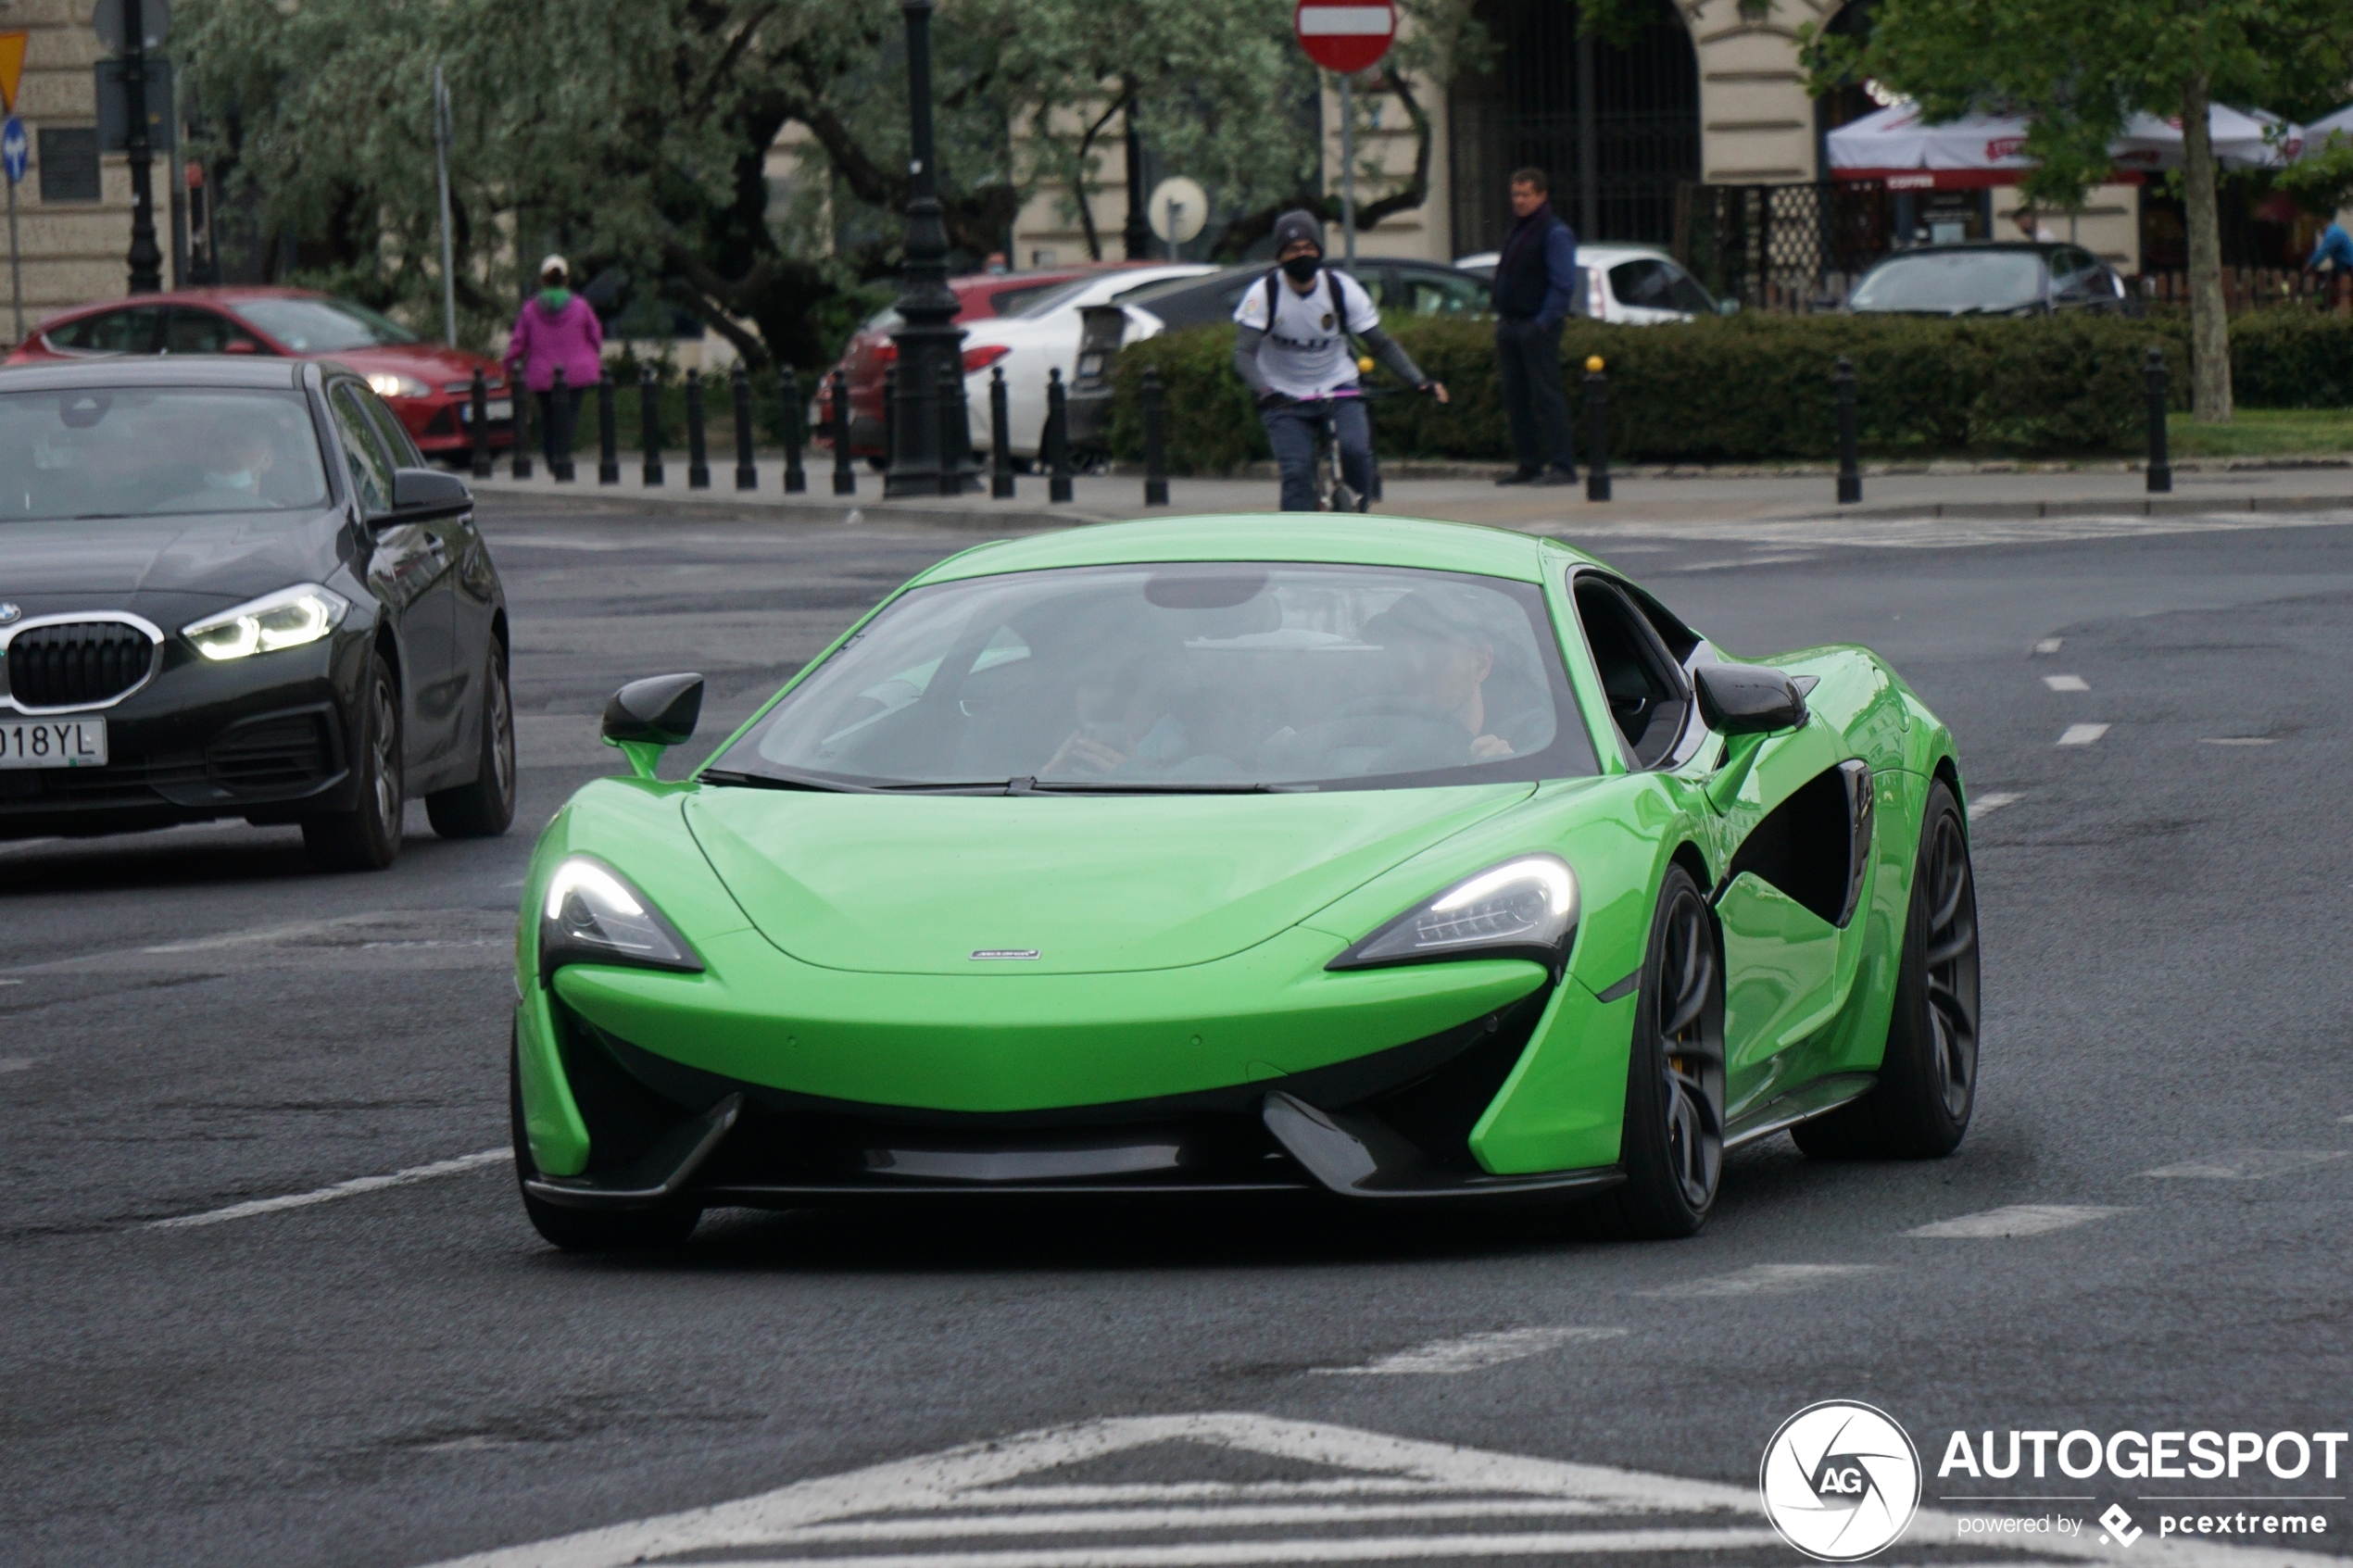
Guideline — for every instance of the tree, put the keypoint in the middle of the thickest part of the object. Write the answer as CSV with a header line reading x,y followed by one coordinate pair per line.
x,y
2079,71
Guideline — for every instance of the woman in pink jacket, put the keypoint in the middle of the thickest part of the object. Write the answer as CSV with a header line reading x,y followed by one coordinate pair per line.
x,y
556,327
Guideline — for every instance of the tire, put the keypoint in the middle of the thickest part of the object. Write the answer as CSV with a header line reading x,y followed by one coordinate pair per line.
x,y
590,1230
1672,1142
366,837
484,808
1919,1108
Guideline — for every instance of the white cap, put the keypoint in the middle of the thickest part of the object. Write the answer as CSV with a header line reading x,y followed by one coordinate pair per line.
x,y
555,264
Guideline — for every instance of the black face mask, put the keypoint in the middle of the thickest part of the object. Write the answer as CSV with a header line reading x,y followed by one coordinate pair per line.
x,y
1302,269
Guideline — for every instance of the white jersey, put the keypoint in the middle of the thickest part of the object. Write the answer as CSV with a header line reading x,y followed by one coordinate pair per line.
x,y
1304,353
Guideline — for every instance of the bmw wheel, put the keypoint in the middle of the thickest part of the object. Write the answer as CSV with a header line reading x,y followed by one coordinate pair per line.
x,y
1919,1108
1672,1145
366,837
484,808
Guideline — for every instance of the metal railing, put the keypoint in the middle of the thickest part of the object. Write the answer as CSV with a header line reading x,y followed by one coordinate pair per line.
x,y
1793,249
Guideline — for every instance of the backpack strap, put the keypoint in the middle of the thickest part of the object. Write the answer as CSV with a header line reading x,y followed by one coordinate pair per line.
x,y
1274,280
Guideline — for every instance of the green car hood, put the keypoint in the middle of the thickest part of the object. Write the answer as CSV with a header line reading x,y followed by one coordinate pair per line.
x,y
1092,885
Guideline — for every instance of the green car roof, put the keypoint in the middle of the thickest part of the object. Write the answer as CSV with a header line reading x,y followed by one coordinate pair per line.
x,y
1296,536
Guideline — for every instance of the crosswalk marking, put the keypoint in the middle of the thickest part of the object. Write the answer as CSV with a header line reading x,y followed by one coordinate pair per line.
x,y
2050,645
2017,1219
2066,683
1768,1279
1357,1548
1994,800
2082,734
2248,1164
1472,1352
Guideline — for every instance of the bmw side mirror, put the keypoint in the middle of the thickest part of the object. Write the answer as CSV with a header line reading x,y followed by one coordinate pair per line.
x,y
421,494
1748,699
646,717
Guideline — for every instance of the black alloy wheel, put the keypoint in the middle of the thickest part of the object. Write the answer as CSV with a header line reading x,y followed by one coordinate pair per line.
x,y
484,808
1920,1110
590,1230
366,837
1672,1143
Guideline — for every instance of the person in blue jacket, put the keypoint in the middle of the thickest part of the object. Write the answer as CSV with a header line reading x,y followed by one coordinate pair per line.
x,y
1535,292
2336,249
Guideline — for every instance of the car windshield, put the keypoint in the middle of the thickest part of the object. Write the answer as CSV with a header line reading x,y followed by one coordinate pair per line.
x,y
1052,299
135,451
1952,281
323,326
1185,677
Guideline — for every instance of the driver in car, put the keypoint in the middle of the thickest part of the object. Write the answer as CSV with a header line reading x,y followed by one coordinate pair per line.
x,y
1120,732
1441,669
238,455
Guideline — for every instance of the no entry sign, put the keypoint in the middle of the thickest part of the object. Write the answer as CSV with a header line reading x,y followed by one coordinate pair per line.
x,y
1345,35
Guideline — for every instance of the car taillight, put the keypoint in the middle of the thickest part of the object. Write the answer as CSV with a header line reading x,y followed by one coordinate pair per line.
x,y
987,354
886,351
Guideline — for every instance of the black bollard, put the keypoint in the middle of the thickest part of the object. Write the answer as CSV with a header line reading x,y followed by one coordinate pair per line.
x,y
480,413
608,430
845,478
891,415
747,472
2160,463
1058,486
519,460
796,426
1001,446
1155,440
954,426
1596,431
559,427
649,421
697,455
1849,473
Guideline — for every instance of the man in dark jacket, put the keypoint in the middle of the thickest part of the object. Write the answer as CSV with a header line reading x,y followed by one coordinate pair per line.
x,y
1535,292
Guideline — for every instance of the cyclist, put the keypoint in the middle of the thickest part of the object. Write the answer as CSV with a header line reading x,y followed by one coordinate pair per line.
x,y
1292,349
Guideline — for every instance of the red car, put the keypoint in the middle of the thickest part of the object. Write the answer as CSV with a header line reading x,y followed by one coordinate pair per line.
x,y
870,350
428,385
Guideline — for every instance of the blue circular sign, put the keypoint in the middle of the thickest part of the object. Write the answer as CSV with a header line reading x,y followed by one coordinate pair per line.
x,y
13,149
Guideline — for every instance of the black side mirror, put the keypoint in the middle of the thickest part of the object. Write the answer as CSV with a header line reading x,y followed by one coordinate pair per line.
x,y
1748,699
420,494
661,710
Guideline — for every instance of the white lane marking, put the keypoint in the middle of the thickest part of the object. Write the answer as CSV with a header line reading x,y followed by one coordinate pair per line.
x,y
352,1188
17,1063
1994,800
2247,1164
11,981
264,933
1770,1279
2018,1219
2049,645
2238,740
1103,1521
2082,734
1197,1491
979,1474
1473,1351
2067,682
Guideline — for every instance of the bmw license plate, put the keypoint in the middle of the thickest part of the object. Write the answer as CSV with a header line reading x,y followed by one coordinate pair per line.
x,y
53,743
497,409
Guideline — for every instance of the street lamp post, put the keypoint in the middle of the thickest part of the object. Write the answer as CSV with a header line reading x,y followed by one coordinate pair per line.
x,y
924,462
147,256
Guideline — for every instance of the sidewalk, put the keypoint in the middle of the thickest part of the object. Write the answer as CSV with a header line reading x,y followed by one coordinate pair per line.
x,y
1638,497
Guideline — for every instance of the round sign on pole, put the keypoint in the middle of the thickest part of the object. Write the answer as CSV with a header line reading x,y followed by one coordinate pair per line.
x,y
1345,35
1179,210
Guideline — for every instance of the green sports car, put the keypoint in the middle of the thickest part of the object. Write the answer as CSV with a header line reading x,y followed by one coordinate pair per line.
x,y
1389,860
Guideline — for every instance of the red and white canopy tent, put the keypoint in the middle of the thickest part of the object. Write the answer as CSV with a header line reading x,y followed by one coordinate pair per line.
x,y
1896,144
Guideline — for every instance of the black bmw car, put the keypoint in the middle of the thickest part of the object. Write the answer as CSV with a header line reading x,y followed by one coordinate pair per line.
x,y
234,588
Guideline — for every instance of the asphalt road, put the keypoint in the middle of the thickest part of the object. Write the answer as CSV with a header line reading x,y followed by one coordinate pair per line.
x,y
403,1374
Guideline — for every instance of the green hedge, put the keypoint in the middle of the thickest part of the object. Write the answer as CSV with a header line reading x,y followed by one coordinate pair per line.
x,y
1756,386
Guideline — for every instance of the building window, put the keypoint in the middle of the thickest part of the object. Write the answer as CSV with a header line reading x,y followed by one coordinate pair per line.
x,y
70,164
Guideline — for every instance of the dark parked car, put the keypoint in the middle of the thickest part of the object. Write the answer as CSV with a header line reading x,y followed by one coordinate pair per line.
x,y
232,587
1398,287
1992,279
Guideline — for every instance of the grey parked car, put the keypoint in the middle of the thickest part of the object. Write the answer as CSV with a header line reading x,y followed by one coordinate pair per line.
x,y
1992,279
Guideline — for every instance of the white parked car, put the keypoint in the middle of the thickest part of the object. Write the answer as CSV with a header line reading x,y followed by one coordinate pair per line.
x,y
1042,336
1635,285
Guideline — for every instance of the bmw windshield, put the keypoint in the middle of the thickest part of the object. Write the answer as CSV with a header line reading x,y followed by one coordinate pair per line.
x,y
1201,677
127,451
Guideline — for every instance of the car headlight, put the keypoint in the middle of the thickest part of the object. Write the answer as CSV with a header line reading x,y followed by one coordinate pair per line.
x,y
591,915
286,619
1525,907
397,386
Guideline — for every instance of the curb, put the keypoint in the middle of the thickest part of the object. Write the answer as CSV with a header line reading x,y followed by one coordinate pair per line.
x,y
768,507
2150,505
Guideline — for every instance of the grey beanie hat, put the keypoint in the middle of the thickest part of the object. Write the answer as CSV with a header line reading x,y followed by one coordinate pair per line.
x,y
1296,225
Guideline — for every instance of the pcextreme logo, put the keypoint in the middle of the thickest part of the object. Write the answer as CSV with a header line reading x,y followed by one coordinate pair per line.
x,y
1841,1480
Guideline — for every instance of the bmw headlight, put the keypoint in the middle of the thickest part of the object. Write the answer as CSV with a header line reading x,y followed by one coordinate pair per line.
x,y
1525,907
286,619
398,386
590,915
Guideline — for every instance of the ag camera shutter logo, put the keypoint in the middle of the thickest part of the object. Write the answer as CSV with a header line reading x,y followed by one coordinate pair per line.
x,y
1841,1480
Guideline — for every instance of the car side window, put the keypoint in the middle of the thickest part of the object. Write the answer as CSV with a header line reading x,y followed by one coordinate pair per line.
x,y
206,331
138,330
1644,283
396,440
370,470
1428,294
1647,698
1685,295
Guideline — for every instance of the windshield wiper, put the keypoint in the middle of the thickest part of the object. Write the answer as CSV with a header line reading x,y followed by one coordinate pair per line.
x,y
1110,787
778,781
